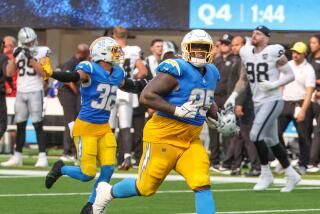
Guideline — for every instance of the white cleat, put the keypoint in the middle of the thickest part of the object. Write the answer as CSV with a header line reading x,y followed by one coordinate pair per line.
x,y
15,160
265,180
103,197
42,160
292,179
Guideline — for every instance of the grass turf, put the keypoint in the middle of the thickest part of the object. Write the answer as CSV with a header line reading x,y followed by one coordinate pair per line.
x,y
163,202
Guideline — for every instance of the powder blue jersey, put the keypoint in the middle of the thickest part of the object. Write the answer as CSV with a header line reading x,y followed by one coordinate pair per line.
x,y
98,96
192,86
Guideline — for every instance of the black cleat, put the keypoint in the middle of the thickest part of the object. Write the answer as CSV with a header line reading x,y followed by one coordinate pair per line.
x,y
87,209
54,174
126,164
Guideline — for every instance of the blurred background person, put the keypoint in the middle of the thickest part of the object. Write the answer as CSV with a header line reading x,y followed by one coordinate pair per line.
x,y
224,63
122,113
314,59
70,100
297,103
154,59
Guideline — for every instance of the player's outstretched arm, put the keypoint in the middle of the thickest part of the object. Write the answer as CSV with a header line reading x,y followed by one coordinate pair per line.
x,y
240,87
63,76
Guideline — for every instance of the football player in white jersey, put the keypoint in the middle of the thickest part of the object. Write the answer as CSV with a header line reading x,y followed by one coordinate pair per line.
x,y
262,64
31,60
123,110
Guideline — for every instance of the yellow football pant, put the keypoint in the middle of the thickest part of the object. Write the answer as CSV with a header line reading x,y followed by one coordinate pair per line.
x,y
158,159
93,148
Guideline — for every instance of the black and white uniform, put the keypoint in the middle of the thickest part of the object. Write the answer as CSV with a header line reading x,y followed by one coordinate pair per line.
x,y
123,110
268,105
29,98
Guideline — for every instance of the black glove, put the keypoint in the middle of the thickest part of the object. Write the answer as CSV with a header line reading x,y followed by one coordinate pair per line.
x,y
17,51
27,53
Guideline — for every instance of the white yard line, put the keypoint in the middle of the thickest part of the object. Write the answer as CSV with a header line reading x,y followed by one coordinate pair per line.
x,y
214,179
158,192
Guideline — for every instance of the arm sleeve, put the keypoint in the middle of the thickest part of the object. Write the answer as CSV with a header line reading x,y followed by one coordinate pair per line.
x,y
169,66
66,76
134,86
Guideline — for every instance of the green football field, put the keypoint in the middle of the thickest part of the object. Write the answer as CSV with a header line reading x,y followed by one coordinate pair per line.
x,y
28,195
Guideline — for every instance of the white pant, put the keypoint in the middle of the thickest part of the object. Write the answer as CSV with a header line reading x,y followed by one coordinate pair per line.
x,y
28,103
121,112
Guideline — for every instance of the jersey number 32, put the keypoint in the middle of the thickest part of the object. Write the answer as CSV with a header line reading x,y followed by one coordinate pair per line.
x,y
107,96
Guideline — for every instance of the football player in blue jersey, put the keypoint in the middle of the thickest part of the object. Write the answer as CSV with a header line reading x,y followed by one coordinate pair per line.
x,y
182,93
94,140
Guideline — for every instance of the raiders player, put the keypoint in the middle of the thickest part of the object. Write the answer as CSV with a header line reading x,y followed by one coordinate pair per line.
x,y
262,65
123,110
31,61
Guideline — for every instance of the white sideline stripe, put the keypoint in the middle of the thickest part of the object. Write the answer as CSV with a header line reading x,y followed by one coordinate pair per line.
x,y
158,192
214,179
265,211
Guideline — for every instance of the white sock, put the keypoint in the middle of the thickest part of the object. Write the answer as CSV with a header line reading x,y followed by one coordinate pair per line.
x,y
289,170
42,155
265,169
18,155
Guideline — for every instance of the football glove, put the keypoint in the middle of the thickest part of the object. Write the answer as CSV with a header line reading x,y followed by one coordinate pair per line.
x,y
266,85
230,102
187,110
27,53
46,66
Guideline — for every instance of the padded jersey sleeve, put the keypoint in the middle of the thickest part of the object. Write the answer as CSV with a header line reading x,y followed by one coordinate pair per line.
x,y
169,66
277,51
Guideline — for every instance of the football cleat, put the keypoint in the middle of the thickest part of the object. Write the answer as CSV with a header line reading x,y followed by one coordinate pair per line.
x,y
265,180
15,160
87,209
54,174
103,197
292,179
42,160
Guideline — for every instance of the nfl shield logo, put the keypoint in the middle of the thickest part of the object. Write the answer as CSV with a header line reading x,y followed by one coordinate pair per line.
x,y
265,56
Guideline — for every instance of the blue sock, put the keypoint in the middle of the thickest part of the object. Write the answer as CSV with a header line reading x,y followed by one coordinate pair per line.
x,y
125,188
204,202
75,172
105,175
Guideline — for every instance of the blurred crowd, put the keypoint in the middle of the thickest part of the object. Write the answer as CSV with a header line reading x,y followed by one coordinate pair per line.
x,y
228,155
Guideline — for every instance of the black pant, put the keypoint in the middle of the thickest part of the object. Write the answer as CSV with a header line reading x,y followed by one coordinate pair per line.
x,y
3,116
240,142
315,145
71,107
214,145
304,129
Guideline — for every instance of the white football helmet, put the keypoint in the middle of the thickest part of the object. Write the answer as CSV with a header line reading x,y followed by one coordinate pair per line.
x,y
226,124
106,49
197,42
27,35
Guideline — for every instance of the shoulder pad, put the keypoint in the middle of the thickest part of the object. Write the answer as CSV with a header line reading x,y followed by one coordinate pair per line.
x,y
85,66
169,66
277,50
